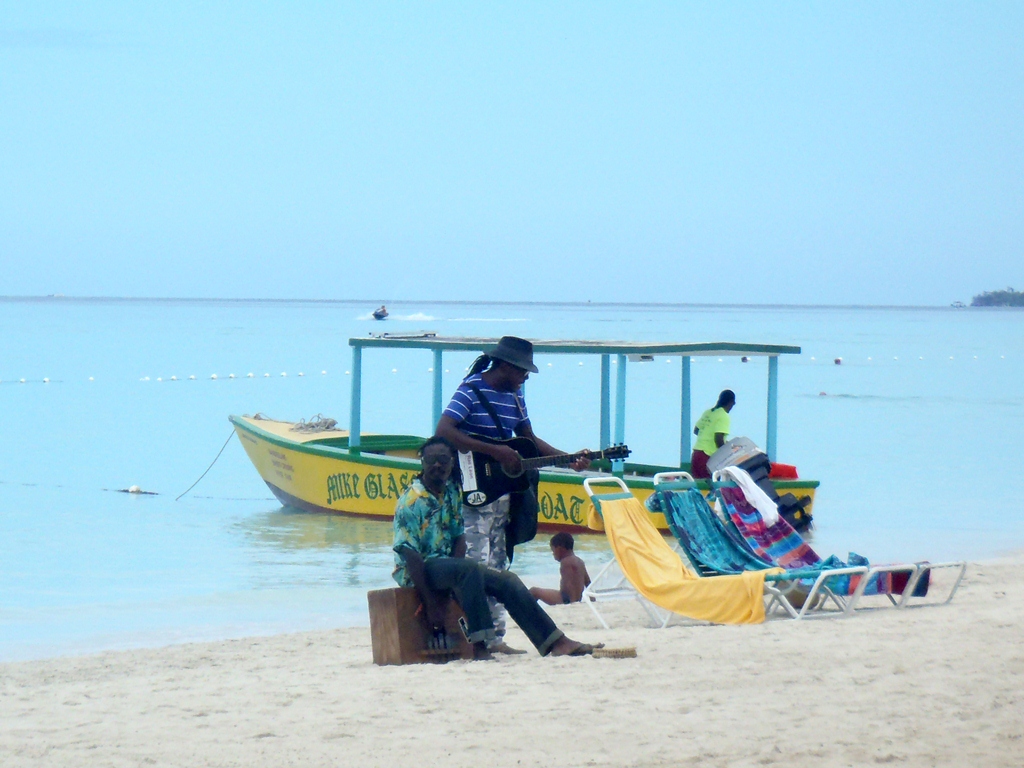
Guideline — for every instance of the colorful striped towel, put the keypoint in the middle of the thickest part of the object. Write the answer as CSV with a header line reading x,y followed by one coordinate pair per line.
x,y
703,537
783,546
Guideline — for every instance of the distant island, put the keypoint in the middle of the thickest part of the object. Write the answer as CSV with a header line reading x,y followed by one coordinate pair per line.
x,y
1007,298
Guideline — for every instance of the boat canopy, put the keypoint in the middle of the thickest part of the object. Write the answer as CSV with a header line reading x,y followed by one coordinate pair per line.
x,y
605,349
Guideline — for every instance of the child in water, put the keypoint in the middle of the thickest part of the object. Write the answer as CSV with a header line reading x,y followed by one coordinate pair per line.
x,y
574,574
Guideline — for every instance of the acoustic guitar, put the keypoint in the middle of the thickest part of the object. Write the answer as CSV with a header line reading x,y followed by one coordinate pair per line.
x,y
484,480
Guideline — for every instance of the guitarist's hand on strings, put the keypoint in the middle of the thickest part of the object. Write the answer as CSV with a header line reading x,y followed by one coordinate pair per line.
x,y
510,461
546,449
583,462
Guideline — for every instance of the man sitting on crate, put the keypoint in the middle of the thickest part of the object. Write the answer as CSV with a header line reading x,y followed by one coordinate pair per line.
x,y
430,549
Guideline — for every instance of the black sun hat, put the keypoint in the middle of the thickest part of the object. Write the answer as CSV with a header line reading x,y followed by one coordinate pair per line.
x,y
514,351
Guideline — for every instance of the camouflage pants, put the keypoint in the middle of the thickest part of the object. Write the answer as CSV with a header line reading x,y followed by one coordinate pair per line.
x,y
485,543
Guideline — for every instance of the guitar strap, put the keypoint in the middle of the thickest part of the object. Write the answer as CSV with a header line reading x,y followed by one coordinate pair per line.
x,y
490,409
523,505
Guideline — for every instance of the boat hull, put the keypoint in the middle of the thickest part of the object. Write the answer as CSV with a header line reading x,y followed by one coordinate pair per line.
x,y
318,473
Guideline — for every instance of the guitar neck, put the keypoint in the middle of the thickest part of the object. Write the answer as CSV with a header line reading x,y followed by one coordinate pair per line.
x,y
558,460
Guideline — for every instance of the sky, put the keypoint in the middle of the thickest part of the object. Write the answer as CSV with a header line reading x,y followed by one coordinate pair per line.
x,y
805,153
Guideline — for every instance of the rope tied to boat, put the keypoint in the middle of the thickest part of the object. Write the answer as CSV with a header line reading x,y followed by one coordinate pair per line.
x,y
209,467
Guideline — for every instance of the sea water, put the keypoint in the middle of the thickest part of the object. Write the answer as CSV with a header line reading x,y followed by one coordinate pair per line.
x,y
915,438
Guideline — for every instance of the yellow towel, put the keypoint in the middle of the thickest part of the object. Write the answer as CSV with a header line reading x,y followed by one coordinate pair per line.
x,y
658,574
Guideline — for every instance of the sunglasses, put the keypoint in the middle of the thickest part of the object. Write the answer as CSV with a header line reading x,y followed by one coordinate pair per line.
x,y
443,460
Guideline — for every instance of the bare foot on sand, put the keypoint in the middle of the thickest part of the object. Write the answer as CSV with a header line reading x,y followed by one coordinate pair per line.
x,y
566,647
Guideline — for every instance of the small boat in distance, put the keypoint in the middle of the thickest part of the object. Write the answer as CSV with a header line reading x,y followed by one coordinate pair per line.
x,y
381,313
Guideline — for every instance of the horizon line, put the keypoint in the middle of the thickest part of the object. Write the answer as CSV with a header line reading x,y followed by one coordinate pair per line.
x,y
475,302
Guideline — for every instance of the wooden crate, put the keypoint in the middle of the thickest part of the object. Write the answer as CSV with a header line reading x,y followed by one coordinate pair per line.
x,y
399,636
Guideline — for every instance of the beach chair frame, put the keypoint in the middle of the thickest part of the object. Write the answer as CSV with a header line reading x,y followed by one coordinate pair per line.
x,y
918,570
923,568
611,583
914,577
779,586
915,570
619,588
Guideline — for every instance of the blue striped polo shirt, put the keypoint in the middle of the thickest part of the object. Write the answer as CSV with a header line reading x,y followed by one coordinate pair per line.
x,y
471,417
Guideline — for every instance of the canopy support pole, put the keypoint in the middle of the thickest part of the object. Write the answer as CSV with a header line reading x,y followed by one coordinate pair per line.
x,y
773,406
684,415
438,401
606,401
620,411
357,386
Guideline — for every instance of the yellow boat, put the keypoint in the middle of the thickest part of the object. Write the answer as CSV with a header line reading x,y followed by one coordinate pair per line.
x,y
320,469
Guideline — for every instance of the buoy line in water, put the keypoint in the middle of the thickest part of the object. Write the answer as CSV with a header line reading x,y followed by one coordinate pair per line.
x,y
838,360
219,377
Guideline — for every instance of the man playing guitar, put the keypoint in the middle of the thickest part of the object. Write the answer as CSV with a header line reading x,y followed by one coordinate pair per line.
x,y
492,389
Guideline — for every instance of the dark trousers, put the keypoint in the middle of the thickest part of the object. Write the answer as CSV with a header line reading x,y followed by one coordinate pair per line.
x,y
699,465
472,583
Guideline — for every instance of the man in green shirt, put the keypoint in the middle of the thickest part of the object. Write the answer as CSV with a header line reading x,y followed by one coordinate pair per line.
x,y
712,429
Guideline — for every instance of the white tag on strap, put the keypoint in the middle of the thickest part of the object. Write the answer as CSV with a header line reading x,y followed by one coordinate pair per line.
x,y
468,468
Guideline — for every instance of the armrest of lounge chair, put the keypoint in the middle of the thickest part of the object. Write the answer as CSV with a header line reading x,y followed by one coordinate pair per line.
x,y
796,575
592,481
674,481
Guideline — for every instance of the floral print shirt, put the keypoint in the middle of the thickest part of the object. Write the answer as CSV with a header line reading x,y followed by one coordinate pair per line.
x,y
428,524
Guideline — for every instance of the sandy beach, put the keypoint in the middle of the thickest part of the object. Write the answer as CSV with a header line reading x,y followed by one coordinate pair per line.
x,y
920,687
